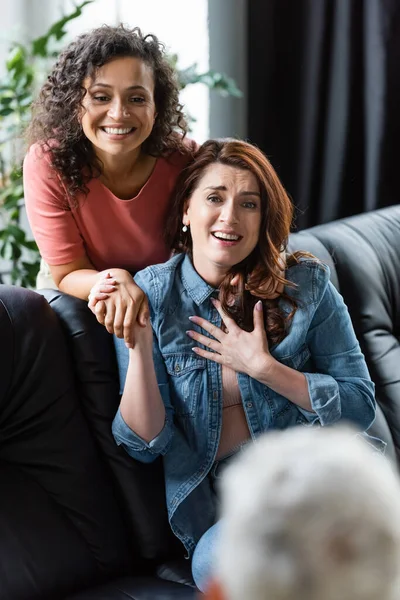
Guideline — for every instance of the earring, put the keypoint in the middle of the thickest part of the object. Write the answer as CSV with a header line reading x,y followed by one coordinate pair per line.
x,y
184,228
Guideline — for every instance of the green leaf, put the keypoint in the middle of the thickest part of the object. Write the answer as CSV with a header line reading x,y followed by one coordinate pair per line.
x,y
16,188
14,216
32,268
23,85
16,251
221,83
30,245
173,60
29,273
16,59
10,202
57,30
16,232
5,112
39,46
13,192
24,100
16,173
6,100
6,250
16,276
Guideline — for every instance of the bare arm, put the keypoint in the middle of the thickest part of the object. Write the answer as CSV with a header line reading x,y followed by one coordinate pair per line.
x,y
118,308
76,278
141,405
283,380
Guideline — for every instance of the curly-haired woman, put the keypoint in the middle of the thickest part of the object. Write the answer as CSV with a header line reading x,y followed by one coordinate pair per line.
x,y
245,339
106,147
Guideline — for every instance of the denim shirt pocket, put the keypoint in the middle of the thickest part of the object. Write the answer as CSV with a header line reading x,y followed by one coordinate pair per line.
x,y
186,373
284,412
295,360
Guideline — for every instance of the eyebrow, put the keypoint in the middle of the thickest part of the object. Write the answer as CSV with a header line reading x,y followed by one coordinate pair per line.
x,y
223,188
106,85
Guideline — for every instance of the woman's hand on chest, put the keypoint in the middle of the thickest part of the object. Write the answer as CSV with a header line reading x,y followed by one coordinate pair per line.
x,y
242,351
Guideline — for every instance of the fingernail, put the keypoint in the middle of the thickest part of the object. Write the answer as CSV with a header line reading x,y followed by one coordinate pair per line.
x,y
129,346
259,305
189,333
192,318
195,350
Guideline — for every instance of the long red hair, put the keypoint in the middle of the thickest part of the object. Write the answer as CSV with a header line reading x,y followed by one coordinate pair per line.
x,y
261,275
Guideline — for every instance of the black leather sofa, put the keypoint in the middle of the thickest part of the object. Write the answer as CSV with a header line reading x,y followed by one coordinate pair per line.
x,y
79,519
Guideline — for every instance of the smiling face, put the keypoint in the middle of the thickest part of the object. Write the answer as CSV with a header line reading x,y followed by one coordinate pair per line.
x,y
224,215
119,108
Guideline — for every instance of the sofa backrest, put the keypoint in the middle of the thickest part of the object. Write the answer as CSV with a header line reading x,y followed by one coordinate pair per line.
x,y
60,529
139,487
363,253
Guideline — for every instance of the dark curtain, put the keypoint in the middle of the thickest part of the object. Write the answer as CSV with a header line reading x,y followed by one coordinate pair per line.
x,y
324,101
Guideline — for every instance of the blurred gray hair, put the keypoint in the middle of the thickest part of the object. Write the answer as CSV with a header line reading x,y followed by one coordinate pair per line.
x,y
310,514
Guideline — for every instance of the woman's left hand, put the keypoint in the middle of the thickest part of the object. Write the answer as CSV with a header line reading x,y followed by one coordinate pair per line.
x,y
242,351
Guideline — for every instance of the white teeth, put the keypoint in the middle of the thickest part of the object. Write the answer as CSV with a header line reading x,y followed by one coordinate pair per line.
x,y
226,236
114,131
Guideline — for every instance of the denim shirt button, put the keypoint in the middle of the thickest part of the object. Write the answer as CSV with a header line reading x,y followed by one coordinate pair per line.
x,y
177,369
249,404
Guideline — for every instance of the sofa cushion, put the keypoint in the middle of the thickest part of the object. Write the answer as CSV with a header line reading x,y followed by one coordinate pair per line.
x,y
140,487
366,252
138,588
59,522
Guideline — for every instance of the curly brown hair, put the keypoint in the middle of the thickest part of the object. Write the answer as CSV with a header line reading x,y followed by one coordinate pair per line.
x,y
56,122
262,272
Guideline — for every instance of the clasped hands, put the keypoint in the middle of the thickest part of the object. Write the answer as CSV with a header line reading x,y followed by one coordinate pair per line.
x,y
121,306
118,304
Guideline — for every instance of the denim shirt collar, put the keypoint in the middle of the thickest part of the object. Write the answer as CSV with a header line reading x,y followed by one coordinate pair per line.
x,y
197,288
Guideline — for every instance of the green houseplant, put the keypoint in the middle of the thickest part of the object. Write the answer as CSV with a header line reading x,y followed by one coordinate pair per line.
x,y
24,67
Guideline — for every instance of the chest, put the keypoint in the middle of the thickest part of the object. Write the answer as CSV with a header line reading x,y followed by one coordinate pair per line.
x,y
128,186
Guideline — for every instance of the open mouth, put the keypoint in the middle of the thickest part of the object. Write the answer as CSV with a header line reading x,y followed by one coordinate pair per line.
x,y
226,237
118,130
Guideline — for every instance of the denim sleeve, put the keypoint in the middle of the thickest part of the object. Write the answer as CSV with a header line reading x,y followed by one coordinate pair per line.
x,y
134,445
341,388
124,436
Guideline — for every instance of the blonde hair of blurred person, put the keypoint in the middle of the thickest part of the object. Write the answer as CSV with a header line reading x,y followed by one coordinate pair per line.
x,y
309,514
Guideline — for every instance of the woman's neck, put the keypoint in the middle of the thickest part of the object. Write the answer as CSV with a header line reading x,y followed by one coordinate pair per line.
x,y
119,166
125,176
212,274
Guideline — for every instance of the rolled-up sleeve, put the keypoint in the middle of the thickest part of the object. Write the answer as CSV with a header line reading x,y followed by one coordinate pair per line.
x,y
341,388
136,446
124,436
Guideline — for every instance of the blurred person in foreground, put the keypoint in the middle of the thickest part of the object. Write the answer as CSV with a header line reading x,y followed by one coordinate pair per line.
x,y
309,514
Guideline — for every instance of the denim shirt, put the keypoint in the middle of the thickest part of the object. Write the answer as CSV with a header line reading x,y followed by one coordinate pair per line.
x,y
320,342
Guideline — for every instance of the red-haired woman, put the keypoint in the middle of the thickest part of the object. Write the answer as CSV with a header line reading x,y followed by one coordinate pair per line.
x,y
242,339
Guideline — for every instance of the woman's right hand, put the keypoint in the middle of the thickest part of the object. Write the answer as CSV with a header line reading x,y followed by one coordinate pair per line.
x,y
118,303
